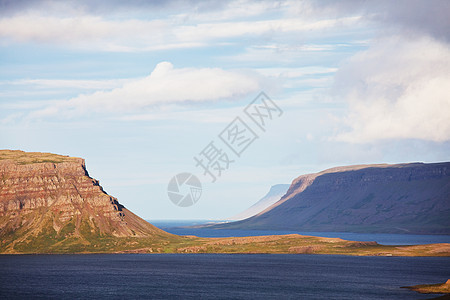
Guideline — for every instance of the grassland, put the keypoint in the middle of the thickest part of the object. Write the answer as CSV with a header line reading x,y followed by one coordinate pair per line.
x,y
88,239
44,230
25,158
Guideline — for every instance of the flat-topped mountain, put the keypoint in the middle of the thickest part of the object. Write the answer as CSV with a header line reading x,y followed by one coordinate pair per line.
x,y
50,204
402,198
275,193
48,199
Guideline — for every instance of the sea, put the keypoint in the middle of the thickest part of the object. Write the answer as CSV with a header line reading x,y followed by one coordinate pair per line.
x,y
216,276
223,276
187,227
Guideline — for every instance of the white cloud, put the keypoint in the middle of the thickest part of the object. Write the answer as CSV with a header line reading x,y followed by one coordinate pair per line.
x,y
407,17
235,29
304,77
240,9
397,89
166,85
296,72
87,31
133,34
293,53
64,83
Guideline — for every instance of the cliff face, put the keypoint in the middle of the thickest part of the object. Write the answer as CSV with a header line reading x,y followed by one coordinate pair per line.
x,y
49,204
405,198
53,196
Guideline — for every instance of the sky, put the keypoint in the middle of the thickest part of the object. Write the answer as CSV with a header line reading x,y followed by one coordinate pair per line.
x,y
141,88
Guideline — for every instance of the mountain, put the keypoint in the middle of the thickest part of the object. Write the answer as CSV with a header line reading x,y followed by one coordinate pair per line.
x,y
49,201
404,198
50,204
275,193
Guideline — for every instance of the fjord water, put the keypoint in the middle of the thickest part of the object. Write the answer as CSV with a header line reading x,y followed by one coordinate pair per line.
x,y
181,227
216,276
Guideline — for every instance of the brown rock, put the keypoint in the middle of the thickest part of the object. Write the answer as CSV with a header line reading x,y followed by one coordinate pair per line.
x,y
59,189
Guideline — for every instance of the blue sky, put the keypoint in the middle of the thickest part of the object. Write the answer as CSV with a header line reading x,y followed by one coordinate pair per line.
x,y
139,89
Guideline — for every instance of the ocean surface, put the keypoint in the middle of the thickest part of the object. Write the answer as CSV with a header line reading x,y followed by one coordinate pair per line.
x,y
178,227
216,276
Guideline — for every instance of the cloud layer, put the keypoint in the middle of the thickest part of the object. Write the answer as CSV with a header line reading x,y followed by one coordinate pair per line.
x,y
159,25
166,85
397,89
407,17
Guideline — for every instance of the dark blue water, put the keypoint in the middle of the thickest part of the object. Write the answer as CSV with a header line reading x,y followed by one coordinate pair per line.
x,y
216,276
176,227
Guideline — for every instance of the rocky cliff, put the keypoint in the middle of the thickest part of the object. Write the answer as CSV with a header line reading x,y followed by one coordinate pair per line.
x,y
52,199
403,198
49,204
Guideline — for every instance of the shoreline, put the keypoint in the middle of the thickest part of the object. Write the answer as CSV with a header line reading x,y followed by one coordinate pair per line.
x,y
271,244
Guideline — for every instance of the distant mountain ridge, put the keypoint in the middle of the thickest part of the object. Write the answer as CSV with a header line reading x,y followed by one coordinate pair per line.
x,y
275,193
403,198
50,204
